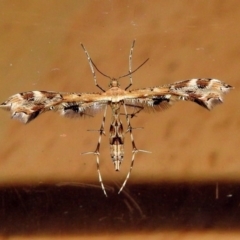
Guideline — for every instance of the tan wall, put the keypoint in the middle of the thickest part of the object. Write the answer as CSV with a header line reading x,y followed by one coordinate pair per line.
x,y
40,50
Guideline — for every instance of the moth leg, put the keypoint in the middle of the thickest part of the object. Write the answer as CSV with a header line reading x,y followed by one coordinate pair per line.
x,y
139,109
97,151
130,65
135,150
92,68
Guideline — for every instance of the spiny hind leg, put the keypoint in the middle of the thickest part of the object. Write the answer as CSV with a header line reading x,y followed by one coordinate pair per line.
x,y
97,151
135,150
136,107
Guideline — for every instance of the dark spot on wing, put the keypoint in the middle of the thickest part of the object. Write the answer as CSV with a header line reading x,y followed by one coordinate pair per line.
x,y
33,115
200,102
74,108
202,83
180,85
159,100
29,96
197,99
49,95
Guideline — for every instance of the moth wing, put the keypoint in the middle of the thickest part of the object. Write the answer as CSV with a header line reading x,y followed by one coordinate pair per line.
x,y
80,109
205,92
27,106
149,104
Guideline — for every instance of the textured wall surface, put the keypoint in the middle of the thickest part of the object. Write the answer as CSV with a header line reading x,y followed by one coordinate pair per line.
x,y
40,50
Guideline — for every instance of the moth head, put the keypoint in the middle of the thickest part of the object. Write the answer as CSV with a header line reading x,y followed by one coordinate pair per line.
x,y
114,83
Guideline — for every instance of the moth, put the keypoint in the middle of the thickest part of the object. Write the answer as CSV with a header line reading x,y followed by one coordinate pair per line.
x,y
26,106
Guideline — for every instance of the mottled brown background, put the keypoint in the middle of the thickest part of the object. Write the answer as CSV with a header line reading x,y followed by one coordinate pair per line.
x,y
40,50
